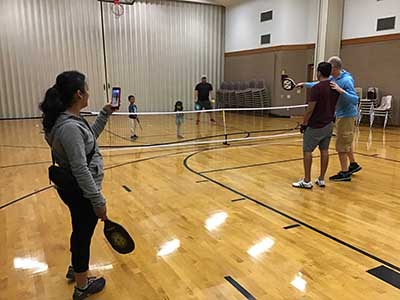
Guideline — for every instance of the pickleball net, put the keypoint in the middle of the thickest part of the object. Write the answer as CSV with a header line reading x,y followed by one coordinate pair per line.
x,y
160,129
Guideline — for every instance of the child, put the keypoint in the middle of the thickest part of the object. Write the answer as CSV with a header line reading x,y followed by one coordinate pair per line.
x,y
179,119
133,117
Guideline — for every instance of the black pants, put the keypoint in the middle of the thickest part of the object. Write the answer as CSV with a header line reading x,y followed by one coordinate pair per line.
x,y
84,222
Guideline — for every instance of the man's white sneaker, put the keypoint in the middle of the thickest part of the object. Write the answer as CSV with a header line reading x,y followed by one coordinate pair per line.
x,y
320,183
302,184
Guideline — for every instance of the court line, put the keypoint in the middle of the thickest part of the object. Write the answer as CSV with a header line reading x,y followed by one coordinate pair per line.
x,y
377,157
286,215
251,166
241,289
24,147
117,135
127,188
136,161
145,159
289,160
239,199
21,118
291,226
107,168
26,196
49,161
110,167
25,164
259,164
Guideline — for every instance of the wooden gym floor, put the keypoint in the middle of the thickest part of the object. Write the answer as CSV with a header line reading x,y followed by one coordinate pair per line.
x,y
209,221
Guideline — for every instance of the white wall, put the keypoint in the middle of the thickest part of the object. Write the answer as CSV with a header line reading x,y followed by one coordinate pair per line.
x,y
294,22
360,17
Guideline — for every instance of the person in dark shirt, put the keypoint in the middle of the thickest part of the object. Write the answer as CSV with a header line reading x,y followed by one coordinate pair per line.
x,y
317,125
202,99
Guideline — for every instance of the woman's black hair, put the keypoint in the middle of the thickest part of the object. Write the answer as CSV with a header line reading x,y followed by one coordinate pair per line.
x,y
60,97
178,106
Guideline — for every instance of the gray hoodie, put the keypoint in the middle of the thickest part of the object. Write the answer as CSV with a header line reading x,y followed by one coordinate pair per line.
x,y
71,140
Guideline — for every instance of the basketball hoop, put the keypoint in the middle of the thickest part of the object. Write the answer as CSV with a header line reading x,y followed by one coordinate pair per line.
x,y
117,9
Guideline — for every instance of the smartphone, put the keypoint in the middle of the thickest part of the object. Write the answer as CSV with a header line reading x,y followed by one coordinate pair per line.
x,y
116,97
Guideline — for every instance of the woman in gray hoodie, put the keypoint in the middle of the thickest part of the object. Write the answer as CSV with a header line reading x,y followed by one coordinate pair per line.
x,y
74,148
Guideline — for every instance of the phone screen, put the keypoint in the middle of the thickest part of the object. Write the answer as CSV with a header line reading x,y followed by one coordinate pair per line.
x,y
116,97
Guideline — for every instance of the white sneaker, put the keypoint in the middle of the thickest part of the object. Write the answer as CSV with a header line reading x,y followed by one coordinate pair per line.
x,y
302,184
319,182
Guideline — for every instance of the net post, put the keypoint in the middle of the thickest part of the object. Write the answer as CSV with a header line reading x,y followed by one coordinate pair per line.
x,y
225,132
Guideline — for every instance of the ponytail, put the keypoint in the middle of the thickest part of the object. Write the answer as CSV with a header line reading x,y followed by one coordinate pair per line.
x,y
51,107
60,97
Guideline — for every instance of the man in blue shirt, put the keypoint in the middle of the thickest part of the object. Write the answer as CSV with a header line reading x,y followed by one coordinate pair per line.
x,y
346,113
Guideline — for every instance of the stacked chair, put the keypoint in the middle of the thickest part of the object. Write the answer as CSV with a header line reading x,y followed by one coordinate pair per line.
x,y
243,94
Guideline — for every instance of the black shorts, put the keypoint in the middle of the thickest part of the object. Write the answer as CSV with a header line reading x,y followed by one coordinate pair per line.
x,y
204,104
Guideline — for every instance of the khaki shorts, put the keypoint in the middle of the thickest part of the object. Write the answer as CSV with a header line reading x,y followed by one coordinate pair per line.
x,y
344,134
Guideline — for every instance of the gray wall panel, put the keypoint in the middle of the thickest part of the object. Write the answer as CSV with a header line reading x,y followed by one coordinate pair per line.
x,y
38,40
159,49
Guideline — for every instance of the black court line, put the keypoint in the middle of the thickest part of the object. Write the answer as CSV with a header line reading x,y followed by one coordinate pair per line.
x,y
117,135
387,275
145,159
26,164
127,188
23,118
290,160
239,199
377,157
26,196
108,168
291,226
251,166
258,165
286,215
377,141
241,289
24,146
201,181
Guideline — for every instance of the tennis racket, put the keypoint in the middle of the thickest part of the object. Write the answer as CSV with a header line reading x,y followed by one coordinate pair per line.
x,y
118,237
